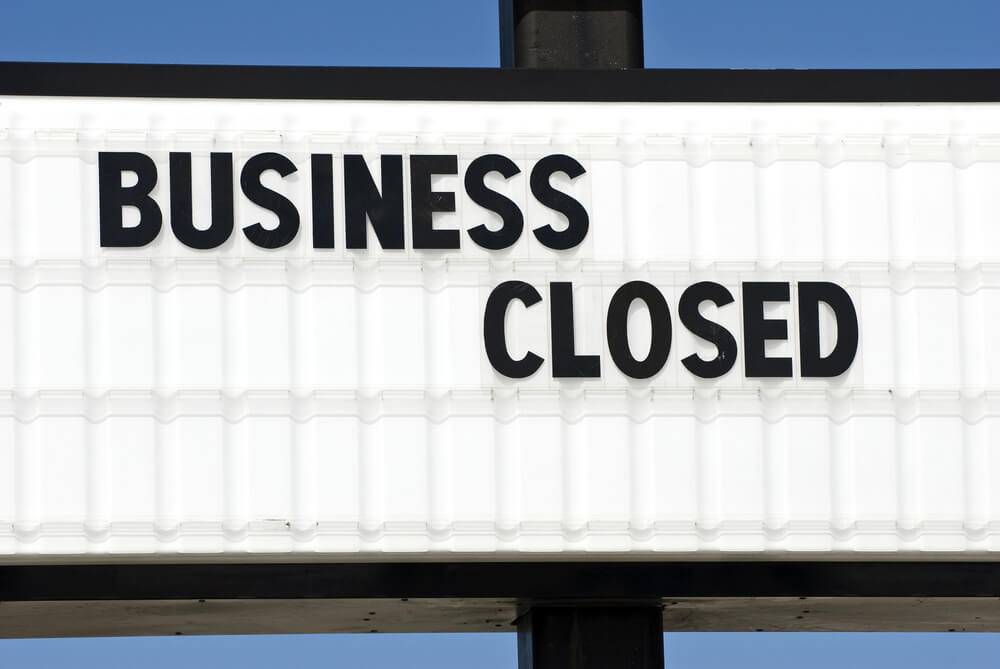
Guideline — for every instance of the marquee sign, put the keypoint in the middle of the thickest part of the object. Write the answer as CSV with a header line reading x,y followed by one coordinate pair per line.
x,y
460,328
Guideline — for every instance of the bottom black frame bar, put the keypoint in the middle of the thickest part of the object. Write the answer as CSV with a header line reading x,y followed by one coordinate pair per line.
x,y
522,580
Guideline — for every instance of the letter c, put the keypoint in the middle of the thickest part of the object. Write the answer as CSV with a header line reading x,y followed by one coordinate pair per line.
x,y
493,329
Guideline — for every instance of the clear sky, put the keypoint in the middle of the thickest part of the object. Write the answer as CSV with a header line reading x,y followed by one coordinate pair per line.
x,y
703,33
679,33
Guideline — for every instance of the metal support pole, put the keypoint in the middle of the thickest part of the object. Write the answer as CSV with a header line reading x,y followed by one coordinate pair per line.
x,y
580,34
590,637
571,34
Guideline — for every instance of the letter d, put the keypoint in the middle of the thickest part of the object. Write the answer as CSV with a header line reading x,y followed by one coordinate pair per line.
x,y
811,293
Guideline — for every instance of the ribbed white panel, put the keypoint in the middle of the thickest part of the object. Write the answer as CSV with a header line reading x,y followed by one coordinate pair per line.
x,y
167,400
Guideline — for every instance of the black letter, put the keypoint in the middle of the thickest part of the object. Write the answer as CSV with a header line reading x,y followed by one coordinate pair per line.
x,y
288,216
757,329
322,197
708,330
574,212
363,201
256,192
565,361
811,293
222,201
112,196
659,318
493,329
425,202
475,186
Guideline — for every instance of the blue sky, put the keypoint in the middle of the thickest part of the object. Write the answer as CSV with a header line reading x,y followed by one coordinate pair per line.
x,y
707,33
498,651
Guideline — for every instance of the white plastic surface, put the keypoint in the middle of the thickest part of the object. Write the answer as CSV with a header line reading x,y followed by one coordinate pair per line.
x,y
240,400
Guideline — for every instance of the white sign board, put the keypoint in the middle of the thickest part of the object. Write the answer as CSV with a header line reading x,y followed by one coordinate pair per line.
x,y
497,328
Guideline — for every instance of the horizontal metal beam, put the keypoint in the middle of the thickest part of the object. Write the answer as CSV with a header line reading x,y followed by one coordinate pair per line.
x,y
362,616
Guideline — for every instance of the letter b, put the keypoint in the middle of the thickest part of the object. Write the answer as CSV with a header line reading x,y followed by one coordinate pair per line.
x,y
113,197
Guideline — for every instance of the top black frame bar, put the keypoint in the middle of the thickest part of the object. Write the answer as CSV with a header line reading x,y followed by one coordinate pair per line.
x,y
503,85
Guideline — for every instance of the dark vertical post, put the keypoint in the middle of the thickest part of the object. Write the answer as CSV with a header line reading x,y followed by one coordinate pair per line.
x,y
571,34
590,637
580,34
